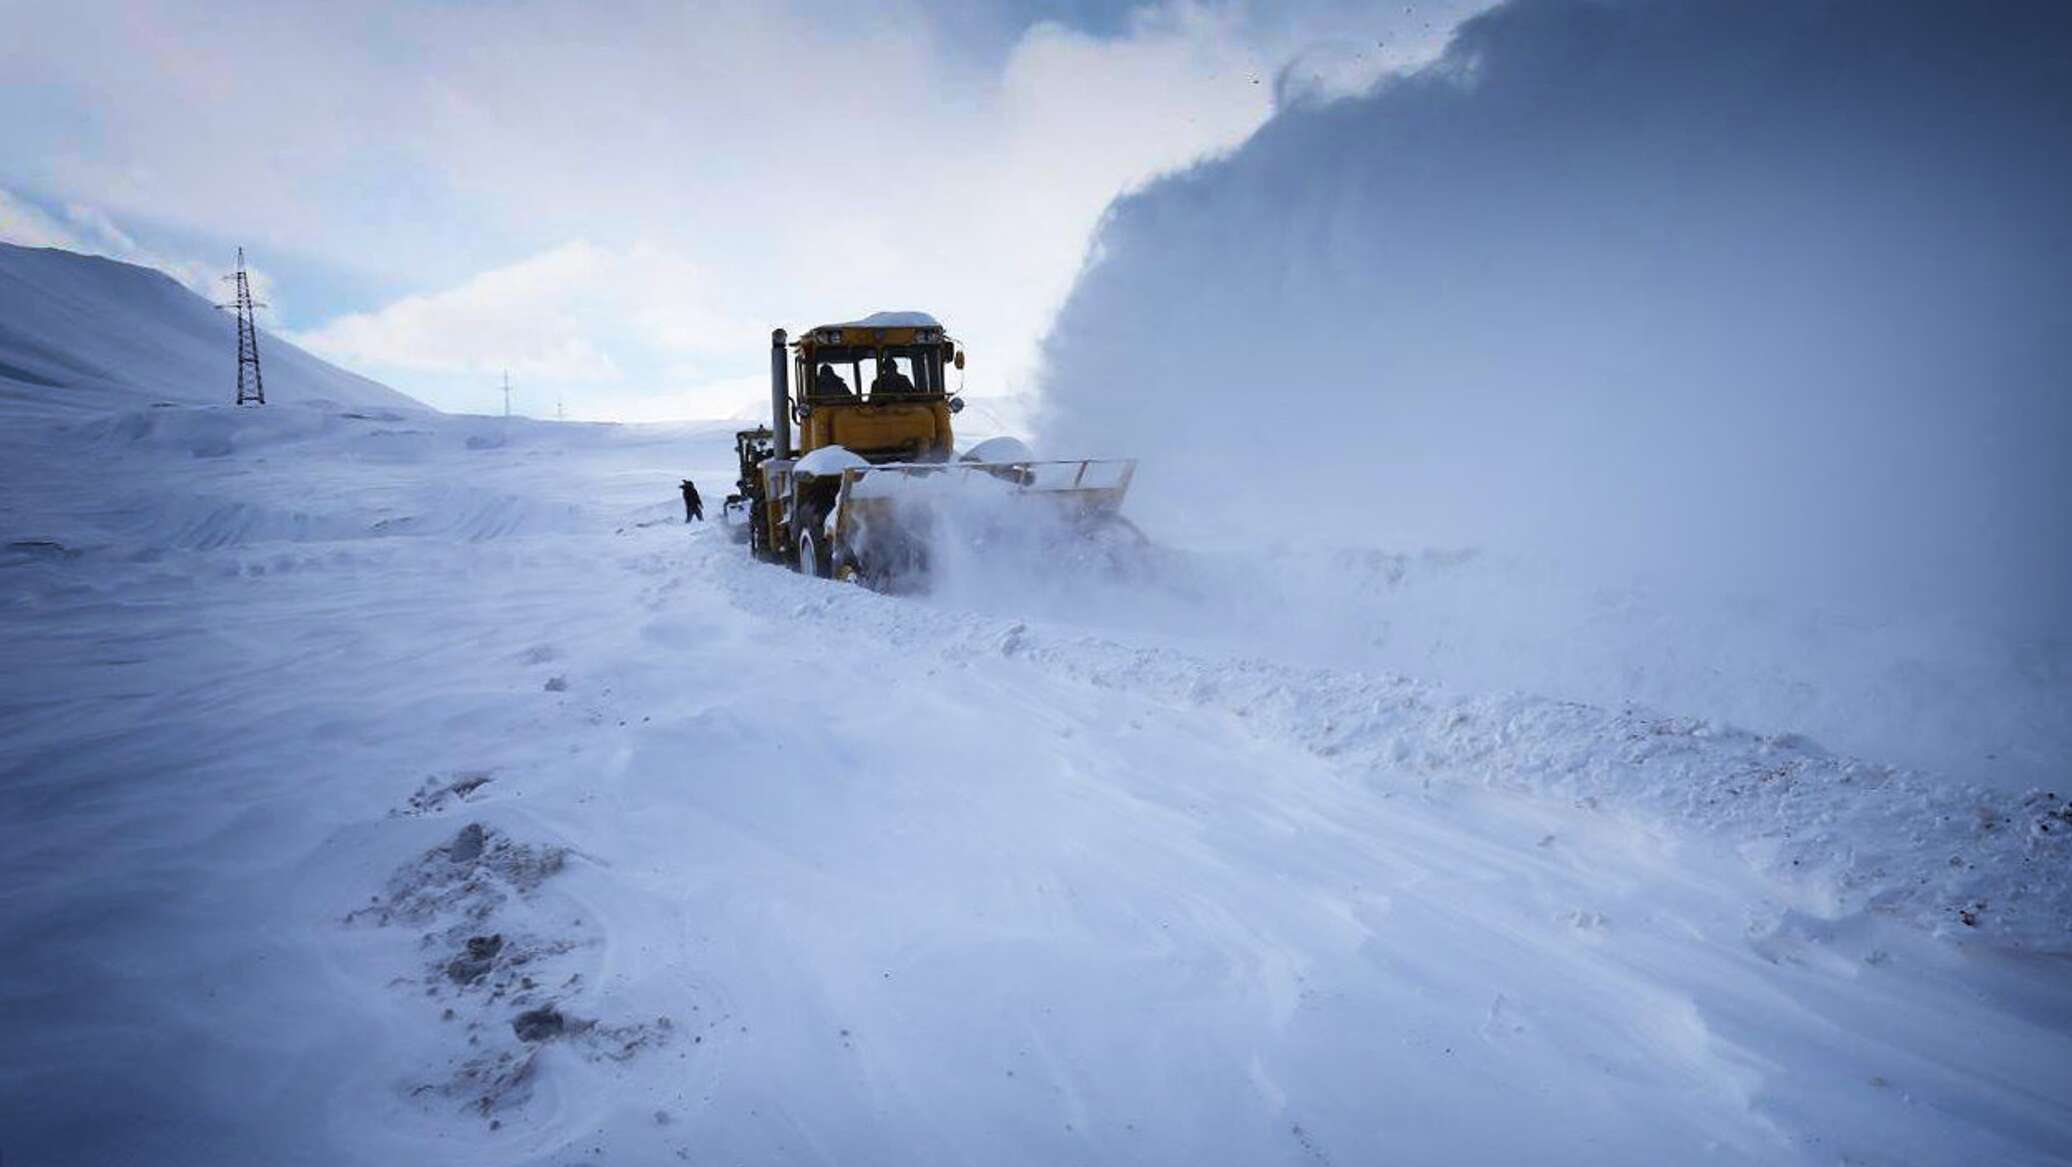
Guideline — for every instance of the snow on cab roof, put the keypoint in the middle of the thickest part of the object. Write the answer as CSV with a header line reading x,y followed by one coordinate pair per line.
x,y
889,320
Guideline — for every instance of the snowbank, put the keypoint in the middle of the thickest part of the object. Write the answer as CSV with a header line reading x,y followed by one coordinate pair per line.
x,y
1838,836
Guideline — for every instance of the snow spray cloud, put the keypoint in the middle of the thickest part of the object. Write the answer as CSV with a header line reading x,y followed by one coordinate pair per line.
x,y
984,538
1774,293
1769,299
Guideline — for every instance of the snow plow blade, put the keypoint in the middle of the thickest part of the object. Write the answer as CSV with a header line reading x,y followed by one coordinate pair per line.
x,y
887,517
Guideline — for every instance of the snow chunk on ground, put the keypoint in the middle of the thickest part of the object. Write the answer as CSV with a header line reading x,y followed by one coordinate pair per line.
x,y
503,968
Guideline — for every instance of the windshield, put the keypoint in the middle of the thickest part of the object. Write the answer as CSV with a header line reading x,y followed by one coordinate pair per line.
x,y
833,374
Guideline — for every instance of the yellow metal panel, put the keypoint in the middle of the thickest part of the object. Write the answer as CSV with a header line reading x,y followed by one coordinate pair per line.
x,y
867,428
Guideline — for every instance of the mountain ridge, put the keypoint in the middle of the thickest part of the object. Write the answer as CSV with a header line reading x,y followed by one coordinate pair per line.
x,y
85,332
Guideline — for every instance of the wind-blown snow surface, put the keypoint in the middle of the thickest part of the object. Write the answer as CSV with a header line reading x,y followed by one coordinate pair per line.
x,y
1733,334
94,334
338,748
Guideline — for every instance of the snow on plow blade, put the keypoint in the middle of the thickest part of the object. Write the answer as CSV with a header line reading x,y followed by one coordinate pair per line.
x,y
1088,483
891,520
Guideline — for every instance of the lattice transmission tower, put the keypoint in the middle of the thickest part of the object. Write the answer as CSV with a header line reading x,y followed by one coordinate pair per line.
x,y
250,389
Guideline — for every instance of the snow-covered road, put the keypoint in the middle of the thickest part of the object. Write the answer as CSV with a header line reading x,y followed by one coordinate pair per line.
x,y
334,745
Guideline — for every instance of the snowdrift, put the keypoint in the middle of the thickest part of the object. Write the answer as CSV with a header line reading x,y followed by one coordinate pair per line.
x,y
1838,837
80,332
507,842
197,478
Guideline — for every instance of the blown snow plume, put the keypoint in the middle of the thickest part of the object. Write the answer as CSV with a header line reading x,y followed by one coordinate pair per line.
x,y
984,531
1766,306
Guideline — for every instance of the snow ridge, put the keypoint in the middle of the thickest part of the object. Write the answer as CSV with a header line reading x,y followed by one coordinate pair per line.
x,y
1836,835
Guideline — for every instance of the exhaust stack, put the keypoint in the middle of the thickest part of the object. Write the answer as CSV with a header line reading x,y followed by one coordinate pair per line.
x,y
780,395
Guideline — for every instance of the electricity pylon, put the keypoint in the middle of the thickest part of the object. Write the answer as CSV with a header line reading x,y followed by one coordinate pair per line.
x,y
250,389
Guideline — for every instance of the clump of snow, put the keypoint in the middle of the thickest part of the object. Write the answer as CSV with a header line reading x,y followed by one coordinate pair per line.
x,y
1005,448
490,951
896,319
471,876
828,461
440,792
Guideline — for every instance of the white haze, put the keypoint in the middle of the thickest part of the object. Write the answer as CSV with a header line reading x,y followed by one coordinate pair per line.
x,y
1730,339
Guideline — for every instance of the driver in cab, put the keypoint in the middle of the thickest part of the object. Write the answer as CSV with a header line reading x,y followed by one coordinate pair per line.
x,y
828,383
890,381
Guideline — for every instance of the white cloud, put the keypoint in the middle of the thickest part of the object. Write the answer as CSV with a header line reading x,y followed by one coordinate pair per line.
x,y
977,210
25,223
581,322
745,399
732,168
535,317
90,231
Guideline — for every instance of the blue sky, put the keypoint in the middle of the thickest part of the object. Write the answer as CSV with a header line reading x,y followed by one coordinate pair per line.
x,y
617,202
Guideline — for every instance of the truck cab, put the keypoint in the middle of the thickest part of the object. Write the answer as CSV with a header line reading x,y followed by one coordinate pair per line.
x,y
876,388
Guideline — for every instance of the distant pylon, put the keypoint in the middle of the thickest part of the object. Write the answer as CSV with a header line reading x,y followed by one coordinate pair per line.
x,y
560,414
507,392
250,389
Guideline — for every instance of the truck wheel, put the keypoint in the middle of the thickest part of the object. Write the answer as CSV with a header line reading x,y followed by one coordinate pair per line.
x,y
758,534
813,558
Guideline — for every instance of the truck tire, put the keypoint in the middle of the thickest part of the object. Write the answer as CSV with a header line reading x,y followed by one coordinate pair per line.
x,y
813,558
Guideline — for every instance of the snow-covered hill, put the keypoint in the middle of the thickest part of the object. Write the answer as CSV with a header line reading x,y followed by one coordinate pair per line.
x,y
81,332
381,787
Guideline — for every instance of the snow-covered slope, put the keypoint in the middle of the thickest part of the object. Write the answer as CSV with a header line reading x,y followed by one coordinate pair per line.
x,y
83,332
381,789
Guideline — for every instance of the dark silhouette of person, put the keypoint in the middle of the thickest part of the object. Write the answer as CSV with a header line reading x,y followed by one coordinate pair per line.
x,y
693,507
828,383
890,380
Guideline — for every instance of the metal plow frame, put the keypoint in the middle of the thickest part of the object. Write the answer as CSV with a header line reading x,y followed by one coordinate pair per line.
x,y
881,547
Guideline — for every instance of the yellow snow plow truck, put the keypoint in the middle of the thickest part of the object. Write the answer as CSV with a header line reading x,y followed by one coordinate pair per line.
x,y
874,480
